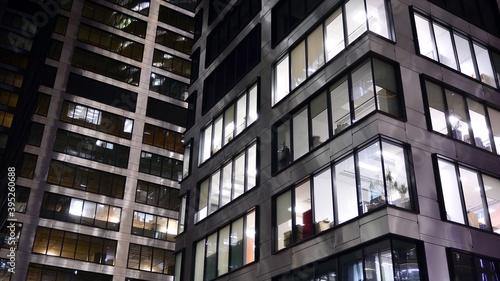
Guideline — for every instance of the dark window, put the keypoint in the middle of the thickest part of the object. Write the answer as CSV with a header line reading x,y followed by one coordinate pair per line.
x,y
36,134
28,166
392,259
287,14
173,40
101,92
16,41
157,195
48,76
74,210
61,25
160,137
466,266
52,242
189,5
38,272
172,63
166,112
87,179
42,105
215,9
8,98
168,86
13,58
55,50
221,80
176,19
161,166
114,19
482,13
110,42
11,78
106,66
151,259
232,24
91,148
22,196
139,6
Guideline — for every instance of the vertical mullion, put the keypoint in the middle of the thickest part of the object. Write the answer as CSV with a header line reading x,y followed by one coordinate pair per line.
x,y
462,200
447,111
469,121
357,177
374,86
311,192
484,200
494,149
333,187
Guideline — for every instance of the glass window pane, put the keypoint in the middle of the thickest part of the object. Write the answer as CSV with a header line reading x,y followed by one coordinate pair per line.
x,y
41,240
356,19
463,266
444,46
352,266
484,65
236,245
283,154
372,182
298,58
472,197
82,248
252,105
158,261
377,18
315,50
134,256
88,213
334,30
362,91
284,220
345,190
207,144
211,259
217,137
425,42
203,201
395,175
55,243
319,116
478,124
378,262
323,200
451,193
300,134
386,87
405,259
492,188
69,245
282,80
494,116
199,267
146,258
138,223
252,167
339,95
464,56
228,124
214,192
249,254
457,116
437,108
303,212
227,175
223,250
239,175
241,114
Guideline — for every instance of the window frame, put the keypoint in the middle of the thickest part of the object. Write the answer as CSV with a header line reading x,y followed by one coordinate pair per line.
x,y
203,145
444,88
344,77
467,220
411,205
219,171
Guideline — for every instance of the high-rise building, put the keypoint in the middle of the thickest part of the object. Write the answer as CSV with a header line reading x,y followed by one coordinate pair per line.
x,y
343,140
92,115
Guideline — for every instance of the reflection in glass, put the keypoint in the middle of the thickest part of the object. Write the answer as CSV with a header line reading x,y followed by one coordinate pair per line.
x,y
371,176
334,37
457,116
356,19
451,193
362,91
345,190
323,201
341,112
300,134
284,220
478,124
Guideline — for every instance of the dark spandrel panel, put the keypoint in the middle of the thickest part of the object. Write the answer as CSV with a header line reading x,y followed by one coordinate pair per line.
x,y
166,112
101,92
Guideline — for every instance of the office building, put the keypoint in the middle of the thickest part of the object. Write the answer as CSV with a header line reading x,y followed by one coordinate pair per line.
x,y
343,140
93,110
